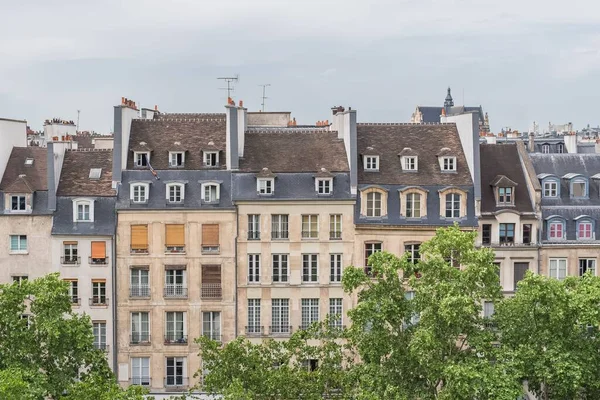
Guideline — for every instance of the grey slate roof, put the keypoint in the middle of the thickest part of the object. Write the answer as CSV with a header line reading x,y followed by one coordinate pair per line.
x,y
291,186
104,224
40,204
432,114
36,174
569,215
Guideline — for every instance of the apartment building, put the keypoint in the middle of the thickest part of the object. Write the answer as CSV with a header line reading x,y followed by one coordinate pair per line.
x,y
294,196
570,203
509,218
83,229
175,240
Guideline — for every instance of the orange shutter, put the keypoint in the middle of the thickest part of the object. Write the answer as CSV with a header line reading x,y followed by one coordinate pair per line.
x,y
69,242
211,274
210,235
175,235
98,249
139,237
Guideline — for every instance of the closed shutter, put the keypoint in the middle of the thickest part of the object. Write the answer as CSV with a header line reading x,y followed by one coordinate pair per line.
x,y
175,235
210,235
66,243
98,249
211,274
139,237
520,269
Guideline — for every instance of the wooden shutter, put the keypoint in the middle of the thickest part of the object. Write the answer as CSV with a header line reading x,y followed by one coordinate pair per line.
x,y
210,234
139,237
69,242
175,235
98,249
211,274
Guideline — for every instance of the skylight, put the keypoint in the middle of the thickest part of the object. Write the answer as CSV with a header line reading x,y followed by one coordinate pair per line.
x,y
95,173
29,161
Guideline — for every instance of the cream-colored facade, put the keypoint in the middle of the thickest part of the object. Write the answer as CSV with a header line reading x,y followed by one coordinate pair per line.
x,y
571,254
326,245
193,298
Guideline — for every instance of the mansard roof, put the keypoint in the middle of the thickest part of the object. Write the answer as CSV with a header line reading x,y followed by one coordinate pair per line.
x,y
75,177
35,173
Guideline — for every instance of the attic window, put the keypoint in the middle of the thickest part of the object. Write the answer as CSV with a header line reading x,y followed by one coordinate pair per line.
x,y
505,195
176,159
95,173
371,163
141,159
211,158
409,163
449,164
265,185
29,161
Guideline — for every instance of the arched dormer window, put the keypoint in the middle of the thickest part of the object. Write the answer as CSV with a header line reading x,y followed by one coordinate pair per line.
x,y
211,191
373,202
586,228
413,202
138,192
556,227
578,185
453,202
550,185
83,210
175,192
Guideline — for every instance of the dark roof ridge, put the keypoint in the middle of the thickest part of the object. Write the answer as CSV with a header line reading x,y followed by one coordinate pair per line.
x,y
404,123
180,119
288,130
87,149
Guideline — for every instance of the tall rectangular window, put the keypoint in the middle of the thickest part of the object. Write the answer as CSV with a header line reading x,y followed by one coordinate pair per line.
x,y
211,325
253,317
373,204
486,234
83,211
520,269
175,327
488,309
70,253
556,230
370,248
280,268
335,268
73,291
175,371
413,252
140,327
254,227
99,330
211,282
336,312
17,203
310,227
413,205
335,226
526,233
587,265
139,238
139,283
140,371
98,250
453,205
18,243
310,267
253,268
280,316
175,282
99,292
279,226
507,233
310,312
558,268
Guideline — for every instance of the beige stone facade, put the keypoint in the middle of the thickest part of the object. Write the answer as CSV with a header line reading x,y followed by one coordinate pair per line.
x,y
570,254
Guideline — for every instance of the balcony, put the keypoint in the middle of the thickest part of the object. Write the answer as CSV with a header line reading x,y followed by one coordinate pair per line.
x,y
139,291
175,338
174,249
216,336
335,235
508,244
310,234
75,301
140,381
283,330
280,279
70,260
279,235
175,292
176,382
253,235
211,291
255,330
142,338
210,249
139,251
101,346
99,301
98,261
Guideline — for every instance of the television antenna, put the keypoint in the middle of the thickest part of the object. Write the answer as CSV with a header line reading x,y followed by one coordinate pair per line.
x,y
264,96
77,129
230,80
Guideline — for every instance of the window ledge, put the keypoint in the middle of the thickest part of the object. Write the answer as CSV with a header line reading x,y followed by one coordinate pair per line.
x,y
18,252
19,212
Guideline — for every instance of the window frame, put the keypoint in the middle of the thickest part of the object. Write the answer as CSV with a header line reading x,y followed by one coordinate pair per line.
x,y
21,201
506,196
253,314
585,268
410,163
504,229
582,224
558,261
336,267
137,371
83,203
310,221
280,307
171,194
309,312
133,186
310,268
448,164
526,235
371,163
324,186
486,234
215,329
143,335
207,159
217,192
371,248
177,379
545,149
175,327
253,226
336,307
415,205
552,229
335,226
455,205
136,286
414,251
377,197
138,159
253,268
280,221
269,186
579,181
175,154
550,190
19,249
278,261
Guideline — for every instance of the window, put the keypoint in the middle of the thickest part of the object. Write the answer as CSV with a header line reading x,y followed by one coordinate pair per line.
x,y
335,268
527,233
280,316
585,231
413,205
99,293
556,230
29,161
211,325
415,318
211,282
83,211
139,238
371,163
18,279
253,317
73,291
139,283
414,256
279,226
310,365
587,265
175,328
505,195
70,253
176,159
280,268
370,248
253,227
99,330
410,163
210,192
140,371
545,149
211,158
310,312
174,238
18,243
486,234
253,268
336,312
175,192
139,193
310,268
488,309
142,159
507,233
519,273
265,185
373,204
140,327
95,173
453,205
324,185
559,148
175,284
175,367
310,227
449,164
550,189
578,189
210,239
558,268
335,226
98,251
17,203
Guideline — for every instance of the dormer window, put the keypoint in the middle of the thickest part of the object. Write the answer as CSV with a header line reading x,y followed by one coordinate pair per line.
x,y
18,202
579,188
560,148
211,158
324,185
175,192
449,164
29,162
176,159
139,192
95,173
83,210
409,163
141,158
550,189
211,192
585,230
371,163
265,185
545,149
505,195
556,228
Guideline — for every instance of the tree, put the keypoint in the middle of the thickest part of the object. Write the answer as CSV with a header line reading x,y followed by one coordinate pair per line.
x,y
46,350
550,331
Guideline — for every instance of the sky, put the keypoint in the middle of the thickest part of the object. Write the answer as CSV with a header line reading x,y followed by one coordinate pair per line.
x,y
522,60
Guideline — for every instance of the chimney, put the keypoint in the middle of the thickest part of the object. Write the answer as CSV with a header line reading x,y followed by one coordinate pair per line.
x,y
124,114
570,142
345,124
597,146
491,139
242,118
50,176
231,143
531,145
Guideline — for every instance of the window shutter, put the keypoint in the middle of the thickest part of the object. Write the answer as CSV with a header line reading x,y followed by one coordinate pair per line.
x,y
175,235
210,235
98,249
69,242
139,237
176,267
211,274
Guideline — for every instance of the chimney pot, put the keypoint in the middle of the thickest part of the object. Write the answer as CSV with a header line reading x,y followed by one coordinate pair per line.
x,y
241,103
155,107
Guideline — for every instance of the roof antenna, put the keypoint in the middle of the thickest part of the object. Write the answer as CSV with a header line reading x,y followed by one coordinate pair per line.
x,y
230,79
77,129
264,86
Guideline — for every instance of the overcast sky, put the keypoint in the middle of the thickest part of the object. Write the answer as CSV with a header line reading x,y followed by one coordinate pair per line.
x,y
522,60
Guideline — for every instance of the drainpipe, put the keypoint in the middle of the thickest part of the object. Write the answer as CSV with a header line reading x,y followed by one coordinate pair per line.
x,y
114,305
235,293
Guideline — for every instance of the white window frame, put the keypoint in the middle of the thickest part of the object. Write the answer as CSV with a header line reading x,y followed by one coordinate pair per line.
x,y
99,331
173,159
336,267
137,287
590,265
174,199
206,158
579,182
310,268
280,268
172,333
336,307
410,163
545,149
309,312
139,365
559,264
138,157
282,223
253,226
335,226
375,212
253,268
19,197
280,316
217,193
83,202
371,163
591,230
254,326
142,335
132,192
448,164
324,186
265,186
309,221
554,236
414,211
550,187
455,205
19,249
183,377
215,330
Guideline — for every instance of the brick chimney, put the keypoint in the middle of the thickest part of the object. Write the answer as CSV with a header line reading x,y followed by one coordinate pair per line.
x,y
531,144
124,114
570,142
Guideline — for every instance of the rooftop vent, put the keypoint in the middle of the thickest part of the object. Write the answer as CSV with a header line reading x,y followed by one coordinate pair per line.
x,y
95,173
